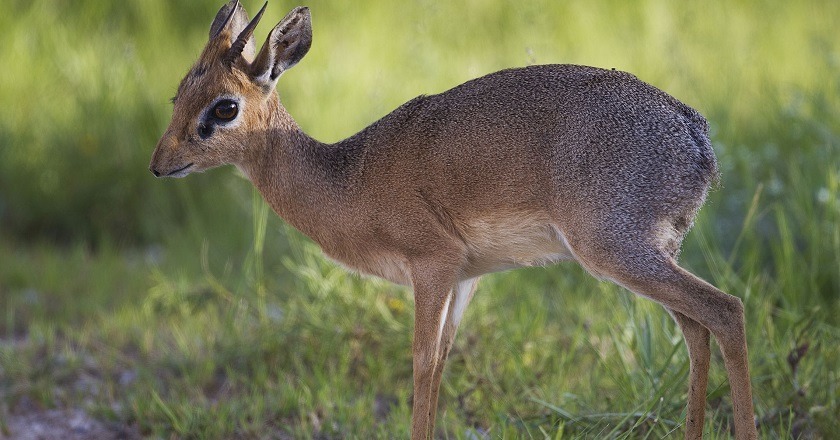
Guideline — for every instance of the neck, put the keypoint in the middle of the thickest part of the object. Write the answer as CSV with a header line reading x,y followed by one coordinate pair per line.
x,y
288,168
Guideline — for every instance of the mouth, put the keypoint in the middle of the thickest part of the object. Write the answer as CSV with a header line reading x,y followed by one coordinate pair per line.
x,y
181,172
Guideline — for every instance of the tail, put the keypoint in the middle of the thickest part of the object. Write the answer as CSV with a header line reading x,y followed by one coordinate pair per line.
x,y
706,162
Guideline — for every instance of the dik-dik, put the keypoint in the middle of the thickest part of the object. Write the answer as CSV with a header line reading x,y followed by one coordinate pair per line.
x,y
521,167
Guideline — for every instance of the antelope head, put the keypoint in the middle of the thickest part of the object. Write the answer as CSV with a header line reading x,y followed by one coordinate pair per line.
x,y
229,93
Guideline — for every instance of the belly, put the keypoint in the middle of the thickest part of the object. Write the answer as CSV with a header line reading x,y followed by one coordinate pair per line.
x,y
514,240
492,244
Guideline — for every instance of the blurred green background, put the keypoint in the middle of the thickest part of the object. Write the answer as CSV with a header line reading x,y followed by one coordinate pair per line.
x,y
227,323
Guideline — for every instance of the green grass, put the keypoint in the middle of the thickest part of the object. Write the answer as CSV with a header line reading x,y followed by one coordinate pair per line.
x,y
186,309
543,352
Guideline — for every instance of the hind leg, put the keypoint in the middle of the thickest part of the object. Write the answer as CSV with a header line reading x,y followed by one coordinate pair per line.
x,y
697,339
652,273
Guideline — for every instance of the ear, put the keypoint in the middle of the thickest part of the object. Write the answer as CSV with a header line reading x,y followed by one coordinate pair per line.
x,y
228,27
287,43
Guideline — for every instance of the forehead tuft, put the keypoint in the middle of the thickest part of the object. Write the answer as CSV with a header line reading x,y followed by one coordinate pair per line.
x,y
192,78
203,82
198,71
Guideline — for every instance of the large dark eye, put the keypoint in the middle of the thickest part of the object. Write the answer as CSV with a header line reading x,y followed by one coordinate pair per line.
x,y
225,110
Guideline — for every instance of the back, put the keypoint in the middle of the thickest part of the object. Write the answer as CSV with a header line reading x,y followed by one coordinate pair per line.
x,y
566,133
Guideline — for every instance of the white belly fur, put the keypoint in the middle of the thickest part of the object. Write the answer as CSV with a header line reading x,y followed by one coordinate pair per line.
x,y
493,244
504,242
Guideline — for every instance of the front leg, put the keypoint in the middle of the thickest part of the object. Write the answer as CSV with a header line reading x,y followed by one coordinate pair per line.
x,y
461,296
433,291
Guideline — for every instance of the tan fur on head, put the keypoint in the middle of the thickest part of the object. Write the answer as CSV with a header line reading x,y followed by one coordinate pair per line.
x,y
195,141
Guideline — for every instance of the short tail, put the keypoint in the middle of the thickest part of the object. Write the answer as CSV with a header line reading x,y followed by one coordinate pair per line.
x,y
706,162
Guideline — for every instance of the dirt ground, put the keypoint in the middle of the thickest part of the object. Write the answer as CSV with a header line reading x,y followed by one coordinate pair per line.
x,y
61,424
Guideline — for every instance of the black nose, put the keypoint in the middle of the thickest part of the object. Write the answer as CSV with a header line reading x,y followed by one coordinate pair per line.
x,y
155,172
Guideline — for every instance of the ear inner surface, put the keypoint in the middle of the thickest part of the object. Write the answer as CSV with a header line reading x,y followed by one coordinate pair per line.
x,y
286,44
295,37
